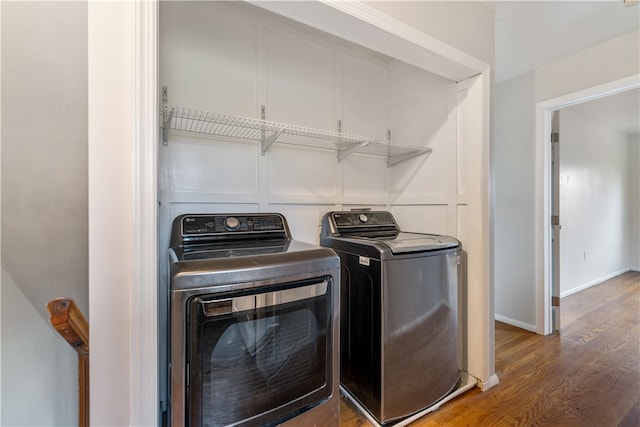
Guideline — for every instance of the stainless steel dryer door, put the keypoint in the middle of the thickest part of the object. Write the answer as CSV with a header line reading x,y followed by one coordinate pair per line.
x,y
259,356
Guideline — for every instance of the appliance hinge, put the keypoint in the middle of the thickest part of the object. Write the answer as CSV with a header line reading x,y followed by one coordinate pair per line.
x,y
339,126
555,219
555,301
263,112
555,137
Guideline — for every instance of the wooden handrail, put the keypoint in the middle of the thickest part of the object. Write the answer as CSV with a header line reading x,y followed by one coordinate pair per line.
x,y
68,320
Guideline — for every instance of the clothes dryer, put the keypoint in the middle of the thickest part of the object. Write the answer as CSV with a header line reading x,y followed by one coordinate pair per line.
x,y
253,324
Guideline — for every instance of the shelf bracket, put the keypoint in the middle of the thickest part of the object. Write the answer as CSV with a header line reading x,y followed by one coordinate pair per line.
x,y
265,143
399,158
166,126
343,153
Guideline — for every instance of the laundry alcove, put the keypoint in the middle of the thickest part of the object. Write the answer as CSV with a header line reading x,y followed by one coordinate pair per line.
x,y
344,70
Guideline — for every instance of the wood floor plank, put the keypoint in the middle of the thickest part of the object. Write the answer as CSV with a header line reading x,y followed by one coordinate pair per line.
x,y
586,376
632,419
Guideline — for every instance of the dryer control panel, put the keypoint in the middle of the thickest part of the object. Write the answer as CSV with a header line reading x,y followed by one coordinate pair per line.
x,y
203,228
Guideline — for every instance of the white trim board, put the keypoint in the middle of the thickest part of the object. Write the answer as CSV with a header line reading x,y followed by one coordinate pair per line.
x,y
0,213
491,382
144,296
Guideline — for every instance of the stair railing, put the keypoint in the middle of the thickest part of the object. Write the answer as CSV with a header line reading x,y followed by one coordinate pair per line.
x,y
68,320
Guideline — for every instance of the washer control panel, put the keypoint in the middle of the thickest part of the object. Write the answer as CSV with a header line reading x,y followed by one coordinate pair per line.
x,y
362,219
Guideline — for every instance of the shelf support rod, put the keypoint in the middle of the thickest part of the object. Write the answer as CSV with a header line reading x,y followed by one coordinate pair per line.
x,y
265,143
343,153
166,126
398,158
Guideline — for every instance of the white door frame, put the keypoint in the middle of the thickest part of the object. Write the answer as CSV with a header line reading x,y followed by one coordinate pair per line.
x,y
122,138
543,240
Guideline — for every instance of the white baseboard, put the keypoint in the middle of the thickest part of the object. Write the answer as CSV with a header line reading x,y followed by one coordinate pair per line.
x,y
493,381
593,283
516,323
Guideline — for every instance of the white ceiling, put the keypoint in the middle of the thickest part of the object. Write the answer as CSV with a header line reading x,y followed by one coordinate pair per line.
x,y
530,34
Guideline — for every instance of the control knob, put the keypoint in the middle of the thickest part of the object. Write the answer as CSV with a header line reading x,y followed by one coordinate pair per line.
x,y
363,218
231,223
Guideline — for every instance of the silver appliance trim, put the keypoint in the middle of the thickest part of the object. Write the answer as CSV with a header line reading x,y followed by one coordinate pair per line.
x,y
218,307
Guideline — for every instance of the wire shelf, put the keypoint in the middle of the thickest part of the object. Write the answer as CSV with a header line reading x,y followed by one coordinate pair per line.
x,y
267,133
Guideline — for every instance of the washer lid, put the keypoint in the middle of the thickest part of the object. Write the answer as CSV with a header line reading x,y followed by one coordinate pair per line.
x,y
418,242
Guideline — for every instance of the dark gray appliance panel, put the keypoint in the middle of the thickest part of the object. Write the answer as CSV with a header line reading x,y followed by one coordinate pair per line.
x,y
360,337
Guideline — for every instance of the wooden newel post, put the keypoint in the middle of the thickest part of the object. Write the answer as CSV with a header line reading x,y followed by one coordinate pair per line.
x,y
67,319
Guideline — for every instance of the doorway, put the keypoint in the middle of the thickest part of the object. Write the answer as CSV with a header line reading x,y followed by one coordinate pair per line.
x,y
548,294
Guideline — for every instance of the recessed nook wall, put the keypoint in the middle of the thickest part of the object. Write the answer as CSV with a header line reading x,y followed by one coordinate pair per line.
x,y
235,58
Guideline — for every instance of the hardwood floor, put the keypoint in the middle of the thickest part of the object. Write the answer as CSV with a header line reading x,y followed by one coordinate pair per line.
x,y
586,376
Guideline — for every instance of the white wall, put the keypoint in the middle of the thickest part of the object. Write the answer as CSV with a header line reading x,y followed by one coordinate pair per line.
x,y
612,60
602,63
515,205
634,197
39,368
44,205
44,150
595,202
